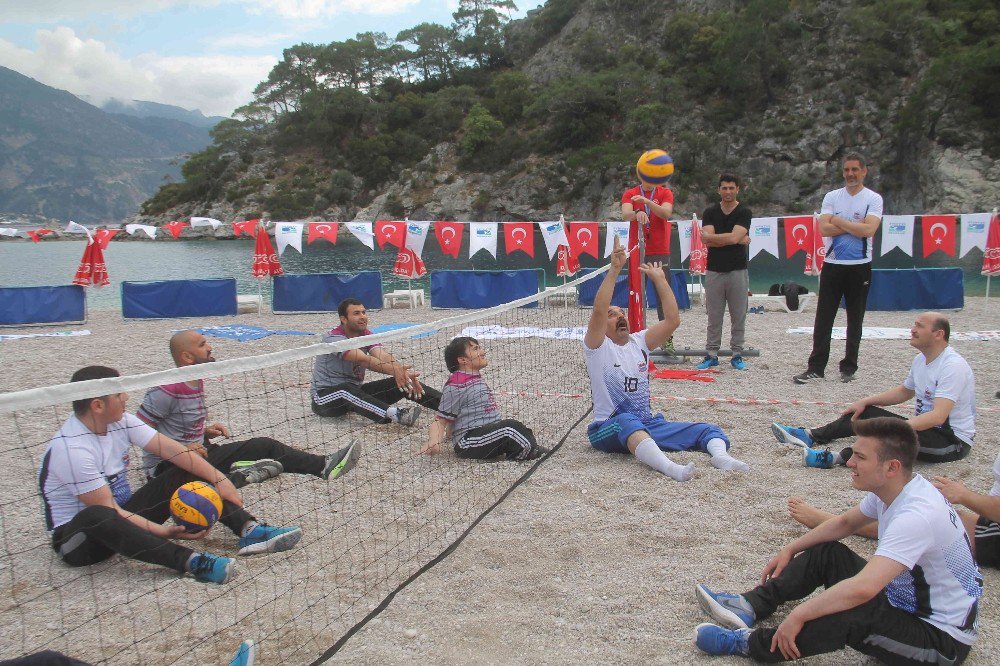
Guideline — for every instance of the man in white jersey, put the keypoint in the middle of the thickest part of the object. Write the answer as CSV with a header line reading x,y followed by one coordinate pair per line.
x,y
915,601
618,365
848,221
942,387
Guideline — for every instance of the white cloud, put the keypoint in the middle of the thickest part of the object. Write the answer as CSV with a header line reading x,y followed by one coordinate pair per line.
x,y
50,11
213,84
299,9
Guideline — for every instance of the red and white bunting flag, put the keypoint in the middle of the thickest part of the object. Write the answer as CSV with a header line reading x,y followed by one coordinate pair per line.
x,y
147,229
619,229
798,234
975,226
416,236
288,234
325,230
583,238
519,236
205,222
939,234
248,227
554,235
483,236
36,234
449,237
393,233
991,257
764,236
897,231
104,236
566,264
175,228
363,232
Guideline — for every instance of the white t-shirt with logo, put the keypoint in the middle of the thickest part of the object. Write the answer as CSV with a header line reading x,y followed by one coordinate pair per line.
x,y
848,248
78,461
921,531
619,377
948,376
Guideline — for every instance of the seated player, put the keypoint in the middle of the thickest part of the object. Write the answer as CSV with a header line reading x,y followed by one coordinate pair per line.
x,y
338,381
468,414
618,363
914,602
92,513
944,409
179,412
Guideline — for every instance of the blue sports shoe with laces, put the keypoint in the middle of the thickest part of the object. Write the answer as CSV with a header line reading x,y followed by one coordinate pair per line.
x,y
246,655
267,539
708,362
209,568
730,610
820,459
738,362
791,435
719,641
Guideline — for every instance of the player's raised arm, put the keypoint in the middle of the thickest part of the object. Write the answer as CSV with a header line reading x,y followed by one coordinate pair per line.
x,y
597,327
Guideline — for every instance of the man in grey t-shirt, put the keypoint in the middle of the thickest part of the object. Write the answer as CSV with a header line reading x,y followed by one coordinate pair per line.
x,y
338,381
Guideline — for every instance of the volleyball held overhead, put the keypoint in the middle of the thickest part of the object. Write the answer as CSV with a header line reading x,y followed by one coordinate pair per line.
x,y
654,167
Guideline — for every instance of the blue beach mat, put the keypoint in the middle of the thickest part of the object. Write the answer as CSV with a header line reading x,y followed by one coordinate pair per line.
x,y
382,328
245,333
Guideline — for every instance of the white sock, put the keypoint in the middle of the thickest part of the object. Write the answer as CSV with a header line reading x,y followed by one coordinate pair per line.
x,y
392,413
649,453
721,458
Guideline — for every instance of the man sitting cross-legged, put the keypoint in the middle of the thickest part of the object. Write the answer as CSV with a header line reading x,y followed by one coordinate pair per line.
x,y
944,410
915,602
338,381
92,513
179,412
618,365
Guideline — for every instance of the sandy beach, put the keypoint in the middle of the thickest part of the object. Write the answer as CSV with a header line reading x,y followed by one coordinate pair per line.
x,y
592,560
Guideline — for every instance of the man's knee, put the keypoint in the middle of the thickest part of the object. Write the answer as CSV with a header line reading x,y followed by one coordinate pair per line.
x,y
93,516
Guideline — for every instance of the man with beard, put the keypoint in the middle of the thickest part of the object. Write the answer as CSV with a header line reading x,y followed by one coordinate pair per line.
x,y
179,412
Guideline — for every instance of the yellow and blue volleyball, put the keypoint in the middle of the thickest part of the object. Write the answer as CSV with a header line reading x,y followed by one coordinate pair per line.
x,y
654,167
196,506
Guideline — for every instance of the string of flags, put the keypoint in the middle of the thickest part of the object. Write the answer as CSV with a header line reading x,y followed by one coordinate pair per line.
x,y
568,241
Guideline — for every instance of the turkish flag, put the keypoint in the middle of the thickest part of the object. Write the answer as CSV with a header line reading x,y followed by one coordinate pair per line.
x,y
566,262
325,230
798,234
449,236
393,233
583,238
408,264
939,234
104,236
36,234
249,227
519,236
175,228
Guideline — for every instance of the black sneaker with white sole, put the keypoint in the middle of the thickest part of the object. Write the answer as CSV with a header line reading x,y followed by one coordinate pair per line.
x,y
806,377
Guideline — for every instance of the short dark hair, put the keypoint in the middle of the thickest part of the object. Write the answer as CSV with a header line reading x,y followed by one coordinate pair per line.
x,y
82,406
942,324
456,348
729,178
346,303
856,157
896,438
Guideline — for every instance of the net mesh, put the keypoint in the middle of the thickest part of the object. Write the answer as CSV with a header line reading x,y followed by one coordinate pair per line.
x,y
363,534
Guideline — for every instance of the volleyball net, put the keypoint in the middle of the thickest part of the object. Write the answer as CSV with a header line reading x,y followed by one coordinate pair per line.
x,y
365,535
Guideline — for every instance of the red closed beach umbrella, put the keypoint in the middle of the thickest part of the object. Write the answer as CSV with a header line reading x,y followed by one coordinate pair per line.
x,y
265,259
698,263
92,272
991,257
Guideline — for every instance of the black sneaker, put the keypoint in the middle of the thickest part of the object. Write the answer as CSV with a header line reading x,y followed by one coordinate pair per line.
x,y
806,377
847,377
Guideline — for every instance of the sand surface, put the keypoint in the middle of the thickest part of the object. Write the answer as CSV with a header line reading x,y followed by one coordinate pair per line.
x,y
592,560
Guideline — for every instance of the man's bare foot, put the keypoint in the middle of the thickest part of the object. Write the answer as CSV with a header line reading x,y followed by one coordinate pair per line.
x,y
430,448
805,513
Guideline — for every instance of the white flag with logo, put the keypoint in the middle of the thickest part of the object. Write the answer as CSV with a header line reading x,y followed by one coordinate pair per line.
x,y
288,234
897,231
764,236
975,226
416,236
684,237
483,236
363,232
75,228
619,229
554,234
149,229
8,231
205,222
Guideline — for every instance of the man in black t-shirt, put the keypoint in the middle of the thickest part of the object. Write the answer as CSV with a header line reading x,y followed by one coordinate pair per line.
x,y
725,229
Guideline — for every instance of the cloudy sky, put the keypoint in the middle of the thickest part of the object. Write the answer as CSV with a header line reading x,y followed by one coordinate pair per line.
x,y
197,54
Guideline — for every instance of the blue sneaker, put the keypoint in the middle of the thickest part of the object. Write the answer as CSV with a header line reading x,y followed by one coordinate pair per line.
x,y
738,363
729,610
821,459
209,568
718,641
267,539
791,435
246,655
708,362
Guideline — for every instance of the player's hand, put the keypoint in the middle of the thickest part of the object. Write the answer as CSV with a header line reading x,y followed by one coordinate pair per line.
x,y
775,566
178,532
653,270
745,240
784,637
227,491
856,409
953,490
642,218
639,199
216,430
618,256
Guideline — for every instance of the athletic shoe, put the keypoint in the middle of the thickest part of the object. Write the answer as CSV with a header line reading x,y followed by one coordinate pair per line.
x,y
729,610
847,377
257,471
708,362
267,539
668,346
343,461
818,458
791,435
536,452
806,377
246,655
407,415
720,642
209,568
738,363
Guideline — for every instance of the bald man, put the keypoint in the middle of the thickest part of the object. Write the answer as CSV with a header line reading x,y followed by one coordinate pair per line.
x,y
942,387
179,412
